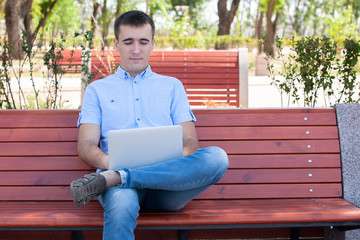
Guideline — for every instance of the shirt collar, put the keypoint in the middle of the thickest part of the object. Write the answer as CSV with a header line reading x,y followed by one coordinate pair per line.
x,y
125,75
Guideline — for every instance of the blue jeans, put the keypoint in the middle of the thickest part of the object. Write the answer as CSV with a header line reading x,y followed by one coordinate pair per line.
x,y
167,186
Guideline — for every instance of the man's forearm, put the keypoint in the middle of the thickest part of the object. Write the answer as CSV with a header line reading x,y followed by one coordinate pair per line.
x,y
93,155
190,146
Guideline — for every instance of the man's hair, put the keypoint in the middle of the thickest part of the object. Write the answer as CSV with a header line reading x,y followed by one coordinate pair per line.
x,y
133,18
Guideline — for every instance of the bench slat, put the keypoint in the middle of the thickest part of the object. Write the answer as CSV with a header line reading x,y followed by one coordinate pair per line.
x,y
44,178
281,176
207,53
193,91
307,161
231,147
276,147
212,98
40,178
208,87
197,70
252,191
244,133
38,134
231,77
243,191
42,163
236,162
284,119
39,149
195,59
35,193
38,118
68,118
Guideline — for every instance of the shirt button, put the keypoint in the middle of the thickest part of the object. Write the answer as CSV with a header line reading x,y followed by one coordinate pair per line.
x,y
135,82
136,99
138,119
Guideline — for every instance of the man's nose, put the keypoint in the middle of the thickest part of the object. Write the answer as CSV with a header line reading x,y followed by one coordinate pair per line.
x,y
136,47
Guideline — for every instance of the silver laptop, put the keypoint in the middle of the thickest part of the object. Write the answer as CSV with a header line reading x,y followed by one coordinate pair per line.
x,y
131,148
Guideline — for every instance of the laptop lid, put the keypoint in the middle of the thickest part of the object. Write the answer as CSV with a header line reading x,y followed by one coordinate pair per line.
x,y
131,148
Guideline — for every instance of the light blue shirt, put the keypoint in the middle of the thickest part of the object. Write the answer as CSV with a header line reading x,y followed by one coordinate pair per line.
x,y
122,102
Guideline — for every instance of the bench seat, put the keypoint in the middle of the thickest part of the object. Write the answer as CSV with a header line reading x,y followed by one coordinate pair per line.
x,y
284,173
202,214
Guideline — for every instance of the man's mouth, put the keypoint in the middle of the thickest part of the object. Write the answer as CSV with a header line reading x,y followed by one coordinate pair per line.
x,y
136,58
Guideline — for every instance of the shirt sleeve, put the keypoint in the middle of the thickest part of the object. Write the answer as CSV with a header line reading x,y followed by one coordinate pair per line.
x,y
90,110
180,107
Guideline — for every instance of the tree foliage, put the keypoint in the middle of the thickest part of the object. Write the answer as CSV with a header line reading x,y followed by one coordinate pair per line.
x,y
58,22
238,18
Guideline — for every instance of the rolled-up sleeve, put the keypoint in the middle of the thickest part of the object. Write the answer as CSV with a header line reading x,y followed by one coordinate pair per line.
x,y
90,110
180,107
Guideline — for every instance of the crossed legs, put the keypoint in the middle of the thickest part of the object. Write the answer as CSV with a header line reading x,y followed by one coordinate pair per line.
x,y
166,186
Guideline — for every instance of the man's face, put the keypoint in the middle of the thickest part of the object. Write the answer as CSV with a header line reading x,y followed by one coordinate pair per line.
x,y
134,45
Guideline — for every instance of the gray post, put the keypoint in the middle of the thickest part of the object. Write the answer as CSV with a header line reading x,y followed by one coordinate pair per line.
x,y
348,117
243,78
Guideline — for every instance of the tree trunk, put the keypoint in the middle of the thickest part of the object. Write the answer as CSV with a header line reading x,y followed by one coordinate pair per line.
x,y
119,4
18,19
269,42
259,27
33,35
106,19
225,19
25,15
96,7
12,21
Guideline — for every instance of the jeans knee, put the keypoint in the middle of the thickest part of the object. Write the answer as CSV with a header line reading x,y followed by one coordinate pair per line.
x,y
219,159
216,162
120,205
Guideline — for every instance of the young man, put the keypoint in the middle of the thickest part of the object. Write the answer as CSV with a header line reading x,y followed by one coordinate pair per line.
x,y
136,97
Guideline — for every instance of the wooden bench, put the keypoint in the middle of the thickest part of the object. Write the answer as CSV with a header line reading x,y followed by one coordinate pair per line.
x,y
71,61
211,78
284,174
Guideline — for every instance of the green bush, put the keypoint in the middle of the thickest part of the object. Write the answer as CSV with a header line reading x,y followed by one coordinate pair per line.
x,y
316,65
202,42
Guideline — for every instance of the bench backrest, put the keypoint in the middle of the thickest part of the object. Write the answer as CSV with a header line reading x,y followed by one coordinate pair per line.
x,y
71,57
210,78
71,60
274,153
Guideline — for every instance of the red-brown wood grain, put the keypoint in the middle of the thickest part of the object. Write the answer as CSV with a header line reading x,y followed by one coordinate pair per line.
x,y
284,168
207,76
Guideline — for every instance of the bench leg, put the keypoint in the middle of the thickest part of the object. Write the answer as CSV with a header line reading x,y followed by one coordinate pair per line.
x,y
77,235
182,234
294,233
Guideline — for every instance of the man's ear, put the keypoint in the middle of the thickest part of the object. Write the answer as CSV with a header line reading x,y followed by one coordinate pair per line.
x,y
116,43
153,43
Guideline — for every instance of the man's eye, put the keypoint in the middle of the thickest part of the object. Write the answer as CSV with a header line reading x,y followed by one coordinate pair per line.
x,y
144,42
127,43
